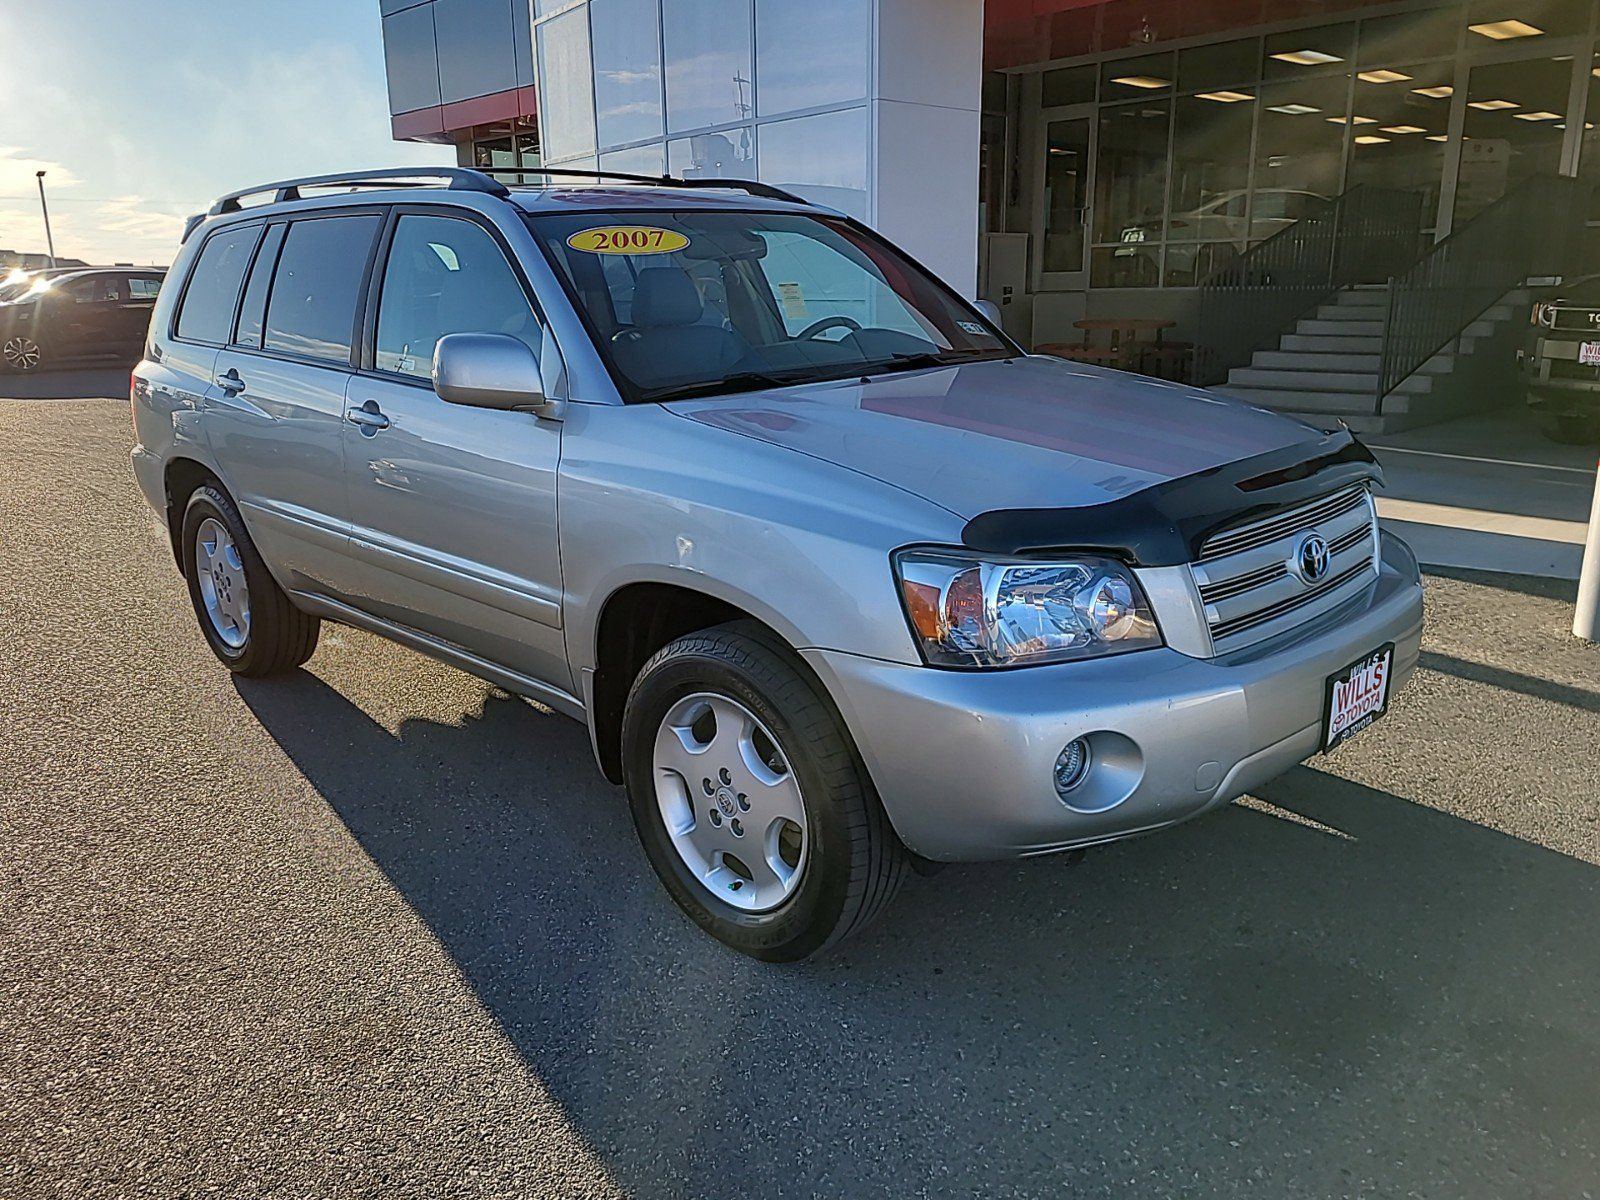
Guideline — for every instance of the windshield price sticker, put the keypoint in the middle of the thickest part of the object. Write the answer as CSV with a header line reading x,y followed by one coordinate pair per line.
x,y
628,239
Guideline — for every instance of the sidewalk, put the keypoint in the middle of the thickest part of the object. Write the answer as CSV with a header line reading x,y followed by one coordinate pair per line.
x,y
1488,493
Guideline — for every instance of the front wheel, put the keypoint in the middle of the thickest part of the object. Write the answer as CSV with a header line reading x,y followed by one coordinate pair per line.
x,y
20,353
750,799
247,619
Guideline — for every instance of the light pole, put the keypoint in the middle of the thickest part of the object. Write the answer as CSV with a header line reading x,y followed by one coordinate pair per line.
x,y
1586,623
50,242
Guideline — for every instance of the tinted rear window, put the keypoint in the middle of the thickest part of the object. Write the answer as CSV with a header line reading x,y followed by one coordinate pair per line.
x,y
312,311
207,314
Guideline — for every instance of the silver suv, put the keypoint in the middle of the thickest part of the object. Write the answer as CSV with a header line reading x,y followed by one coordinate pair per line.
x,y
842,582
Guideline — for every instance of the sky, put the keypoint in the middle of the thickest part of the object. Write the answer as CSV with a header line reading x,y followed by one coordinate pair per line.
x,y
145,111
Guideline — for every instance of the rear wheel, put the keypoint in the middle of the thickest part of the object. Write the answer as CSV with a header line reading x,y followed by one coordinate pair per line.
x,y
20,353
750,799
247,619
1571,429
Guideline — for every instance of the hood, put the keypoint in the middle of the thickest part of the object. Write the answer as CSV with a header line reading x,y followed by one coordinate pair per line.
x,y
1029,433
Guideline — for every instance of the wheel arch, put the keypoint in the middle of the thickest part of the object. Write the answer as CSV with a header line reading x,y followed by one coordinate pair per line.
x,y
181,478
635,621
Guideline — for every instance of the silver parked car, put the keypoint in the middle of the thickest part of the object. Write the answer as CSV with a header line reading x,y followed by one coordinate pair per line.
x,y
841,581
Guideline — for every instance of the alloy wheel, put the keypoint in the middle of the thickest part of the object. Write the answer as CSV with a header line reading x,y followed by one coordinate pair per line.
x,y
20,353
730,802
220,573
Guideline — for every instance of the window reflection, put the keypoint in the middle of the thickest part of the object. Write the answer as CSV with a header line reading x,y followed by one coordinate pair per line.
x,y
1130,186
1515,124
729,155
823,158
1299,148
565,84
811,54
707,47
1207,212
627,70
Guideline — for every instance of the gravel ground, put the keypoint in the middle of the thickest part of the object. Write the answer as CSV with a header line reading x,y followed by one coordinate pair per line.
x,y
379,929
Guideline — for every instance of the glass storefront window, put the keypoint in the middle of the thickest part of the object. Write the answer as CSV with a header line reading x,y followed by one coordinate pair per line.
x,y
1516,121
1522,22
1402,143
1303,52
707,48
1207,212
1406,37
1299,148
566,90
1130,187
627,70
727,155
641,160
812,54
1589,170
1068,85
823,158
1124,78
1220,65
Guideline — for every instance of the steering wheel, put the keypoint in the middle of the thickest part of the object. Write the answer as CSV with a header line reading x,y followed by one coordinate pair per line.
x,y
827,323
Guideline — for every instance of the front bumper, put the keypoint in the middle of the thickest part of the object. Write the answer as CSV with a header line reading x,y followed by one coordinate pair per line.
x,y
963,760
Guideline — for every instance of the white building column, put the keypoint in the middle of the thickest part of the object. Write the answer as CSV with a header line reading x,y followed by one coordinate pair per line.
x,y
927,83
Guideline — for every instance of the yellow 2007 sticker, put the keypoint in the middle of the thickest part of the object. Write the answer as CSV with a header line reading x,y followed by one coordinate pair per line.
x,y
628,239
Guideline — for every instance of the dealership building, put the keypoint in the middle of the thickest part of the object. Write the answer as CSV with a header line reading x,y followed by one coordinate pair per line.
x,y
1077,162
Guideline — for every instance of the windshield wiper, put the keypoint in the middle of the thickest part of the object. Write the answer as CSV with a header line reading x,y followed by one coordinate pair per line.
x,y
739,381
923,359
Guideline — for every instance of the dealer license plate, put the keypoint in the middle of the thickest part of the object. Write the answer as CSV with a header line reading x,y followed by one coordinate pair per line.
x,y
1356,696
1589,354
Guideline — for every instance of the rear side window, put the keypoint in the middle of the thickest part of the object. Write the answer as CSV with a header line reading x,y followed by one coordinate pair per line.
x,y
445,276
312,311
208,303
252,313
143,287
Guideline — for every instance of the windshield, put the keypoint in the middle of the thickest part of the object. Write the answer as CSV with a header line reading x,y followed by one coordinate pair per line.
x,y
700,303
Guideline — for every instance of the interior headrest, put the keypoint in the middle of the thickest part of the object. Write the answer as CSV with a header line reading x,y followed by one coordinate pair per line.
x,y
665,296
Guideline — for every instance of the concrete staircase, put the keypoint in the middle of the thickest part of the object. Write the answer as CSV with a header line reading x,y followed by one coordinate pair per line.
x,y
1326,371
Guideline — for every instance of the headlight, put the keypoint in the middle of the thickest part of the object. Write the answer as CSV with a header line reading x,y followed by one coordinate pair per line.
x,y
968,612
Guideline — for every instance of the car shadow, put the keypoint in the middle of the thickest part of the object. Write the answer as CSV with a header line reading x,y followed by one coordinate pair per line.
x,y
1332,991
67,383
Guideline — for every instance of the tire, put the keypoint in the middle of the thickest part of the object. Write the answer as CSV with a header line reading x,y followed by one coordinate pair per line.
x,y
20,354
273,635
849,862
1571,429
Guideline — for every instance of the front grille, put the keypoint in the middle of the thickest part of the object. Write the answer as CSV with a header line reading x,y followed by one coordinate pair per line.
x,y
1244,574
1566,368
1279,525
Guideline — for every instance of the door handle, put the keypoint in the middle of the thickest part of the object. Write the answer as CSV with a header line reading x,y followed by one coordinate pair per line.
x,y
230,382
368,416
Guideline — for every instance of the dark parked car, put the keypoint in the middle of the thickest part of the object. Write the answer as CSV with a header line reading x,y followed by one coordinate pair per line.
x,y
99,314
1561,361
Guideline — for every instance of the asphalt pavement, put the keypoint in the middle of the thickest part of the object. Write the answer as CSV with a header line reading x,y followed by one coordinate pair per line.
x,y
379,929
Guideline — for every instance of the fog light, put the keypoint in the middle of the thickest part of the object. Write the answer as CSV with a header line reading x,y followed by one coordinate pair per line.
x,y
1072,766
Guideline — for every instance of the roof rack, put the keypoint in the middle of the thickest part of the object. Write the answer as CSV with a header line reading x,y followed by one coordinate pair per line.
x,y
765,190
461,179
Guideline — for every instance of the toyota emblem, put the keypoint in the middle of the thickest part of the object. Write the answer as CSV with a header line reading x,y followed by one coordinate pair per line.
x,y
1312,558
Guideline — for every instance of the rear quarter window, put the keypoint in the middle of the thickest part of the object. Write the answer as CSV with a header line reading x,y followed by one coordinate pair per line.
x,y
213,291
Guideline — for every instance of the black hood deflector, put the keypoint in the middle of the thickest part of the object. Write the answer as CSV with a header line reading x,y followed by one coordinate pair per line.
x,y
1165,525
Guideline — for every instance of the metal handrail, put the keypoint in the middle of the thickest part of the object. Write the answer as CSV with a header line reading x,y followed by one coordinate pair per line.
x,y
1532,230
1355,237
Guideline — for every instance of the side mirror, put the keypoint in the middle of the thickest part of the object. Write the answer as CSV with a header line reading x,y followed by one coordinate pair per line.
x,y
491,370
989,309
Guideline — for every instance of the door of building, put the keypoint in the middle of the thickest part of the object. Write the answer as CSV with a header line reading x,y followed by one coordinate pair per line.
x,y
1063,199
